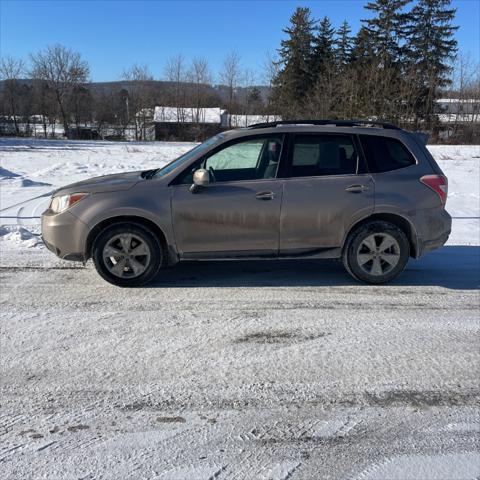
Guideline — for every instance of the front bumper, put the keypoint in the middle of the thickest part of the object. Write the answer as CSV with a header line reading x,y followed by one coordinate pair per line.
x,y
65,235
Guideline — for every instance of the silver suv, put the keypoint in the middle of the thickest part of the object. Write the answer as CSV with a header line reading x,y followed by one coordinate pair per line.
x,y
366,192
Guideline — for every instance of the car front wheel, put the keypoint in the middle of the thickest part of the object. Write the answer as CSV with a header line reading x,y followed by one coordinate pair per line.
x,y
127,254
376,252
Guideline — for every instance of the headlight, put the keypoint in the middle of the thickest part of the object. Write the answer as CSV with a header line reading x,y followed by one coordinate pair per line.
x,y
61,203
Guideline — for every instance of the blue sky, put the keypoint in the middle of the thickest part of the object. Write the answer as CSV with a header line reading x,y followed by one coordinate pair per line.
x,y
114,34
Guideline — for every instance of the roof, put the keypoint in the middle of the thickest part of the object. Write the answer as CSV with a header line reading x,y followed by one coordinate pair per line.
x,y
187,115
459,118
458,100
247,120
272,128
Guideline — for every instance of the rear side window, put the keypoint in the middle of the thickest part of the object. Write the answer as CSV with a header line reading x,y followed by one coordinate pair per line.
x,y
318,155
385,154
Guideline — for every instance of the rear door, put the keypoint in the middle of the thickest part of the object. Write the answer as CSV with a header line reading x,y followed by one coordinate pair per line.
x,y
325,192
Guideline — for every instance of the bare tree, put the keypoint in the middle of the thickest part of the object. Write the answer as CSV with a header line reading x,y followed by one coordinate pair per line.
x,y
247,82
63,70
139,97
200,76
106,111
11,70
45,106
271,67
466,83
230,76
175,72
80,104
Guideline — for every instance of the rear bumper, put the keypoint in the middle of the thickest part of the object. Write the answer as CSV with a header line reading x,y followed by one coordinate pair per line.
x,y
64,235
429,245
436,230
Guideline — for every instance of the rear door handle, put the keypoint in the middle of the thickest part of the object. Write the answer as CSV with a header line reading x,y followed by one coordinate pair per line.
x,y
356,188
265,196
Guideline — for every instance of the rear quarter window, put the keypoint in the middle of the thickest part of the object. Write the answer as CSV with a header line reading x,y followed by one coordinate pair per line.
x,y
385,154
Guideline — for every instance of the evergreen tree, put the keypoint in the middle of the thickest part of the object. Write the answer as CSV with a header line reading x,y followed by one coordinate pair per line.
x,y
323,48
294,77
363,49
344,45
432,47
321,97
363,70
387,28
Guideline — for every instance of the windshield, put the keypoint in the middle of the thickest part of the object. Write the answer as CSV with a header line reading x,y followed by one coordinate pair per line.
x,y
188,156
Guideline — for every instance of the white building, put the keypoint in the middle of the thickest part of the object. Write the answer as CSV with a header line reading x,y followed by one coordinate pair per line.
x,y
236,121
188,115
458,110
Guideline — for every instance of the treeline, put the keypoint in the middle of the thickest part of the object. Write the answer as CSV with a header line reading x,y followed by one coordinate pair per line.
x,y
52,92
393,68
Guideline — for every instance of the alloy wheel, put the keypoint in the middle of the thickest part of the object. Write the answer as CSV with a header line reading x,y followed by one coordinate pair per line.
x,y
126,255
378,254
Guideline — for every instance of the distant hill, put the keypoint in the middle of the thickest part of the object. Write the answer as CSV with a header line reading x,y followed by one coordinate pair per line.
x,y
218,93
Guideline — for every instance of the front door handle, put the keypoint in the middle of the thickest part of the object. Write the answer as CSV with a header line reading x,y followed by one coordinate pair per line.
x,y
265,196
356,188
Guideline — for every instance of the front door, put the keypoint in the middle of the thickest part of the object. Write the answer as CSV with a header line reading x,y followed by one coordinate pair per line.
x,y
238,213
324,194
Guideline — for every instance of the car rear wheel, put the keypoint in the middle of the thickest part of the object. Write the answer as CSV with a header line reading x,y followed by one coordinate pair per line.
x,y
127,254
376,252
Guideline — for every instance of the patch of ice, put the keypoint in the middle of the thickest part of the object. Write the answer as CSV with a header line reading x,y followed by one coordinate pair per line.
x,y
458,466
463,427
188,473
328,429
281,471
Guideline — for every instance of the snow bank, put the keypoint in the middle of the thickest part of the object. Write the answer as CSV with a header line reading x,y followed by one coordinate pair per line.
x,y
20,236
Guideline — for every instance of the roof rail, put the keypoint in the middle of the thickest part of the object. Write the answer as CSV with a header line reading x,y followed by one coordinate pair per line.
x,y
336,123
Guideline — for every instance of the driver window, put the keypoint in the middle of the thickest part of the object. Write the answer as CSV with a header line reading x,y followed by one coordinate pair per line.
x,y
246,160
240,155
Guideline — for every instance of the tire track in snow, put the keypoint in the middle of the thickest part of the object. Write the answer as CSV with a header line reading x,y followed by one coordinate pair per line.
x,y
8,450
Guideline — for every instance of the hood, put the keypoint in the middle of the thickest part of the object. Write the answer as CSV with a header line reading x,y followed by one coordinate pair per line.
x,y
105,183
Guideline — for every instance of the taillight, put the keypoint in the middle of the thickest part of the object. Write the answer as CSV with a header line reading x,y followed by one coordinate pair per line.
x,y
438,183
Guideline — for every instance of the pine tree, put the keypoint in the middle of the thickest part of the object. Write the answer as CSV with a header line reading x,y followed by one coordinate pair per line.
x,y
294,76
323,48
321,97
364,73
387,28
363,48
432,47
344,45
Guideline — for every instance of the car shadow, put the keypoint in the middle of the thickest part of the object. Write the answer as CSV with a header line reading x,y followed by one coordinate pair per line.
x,y
454,267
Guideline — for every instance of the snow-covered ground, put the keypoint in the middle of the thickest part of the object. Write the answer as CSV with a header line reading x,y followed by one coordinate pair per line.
x,y
239,370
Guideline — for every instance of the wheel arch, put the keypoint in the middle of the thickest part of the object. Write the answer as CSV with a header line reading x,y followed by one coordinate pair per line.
x,y
401,222
95,231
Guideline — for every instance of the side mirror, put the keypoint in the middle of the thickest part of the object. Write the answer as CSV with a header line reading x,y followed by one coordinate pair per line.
x,y
201,179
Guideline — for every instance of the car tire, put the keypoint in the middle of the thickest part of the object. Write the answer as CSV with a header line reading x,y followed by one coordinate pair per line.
x,y
376,252
127,254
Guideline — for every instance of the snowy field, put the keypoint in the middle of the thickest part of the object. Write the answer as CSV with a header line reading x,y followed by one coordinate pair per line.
x,y
268,370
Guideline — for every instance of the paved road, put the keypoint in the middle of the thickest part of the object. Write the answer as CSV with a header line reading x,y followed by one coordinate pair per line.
x,y
242,370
